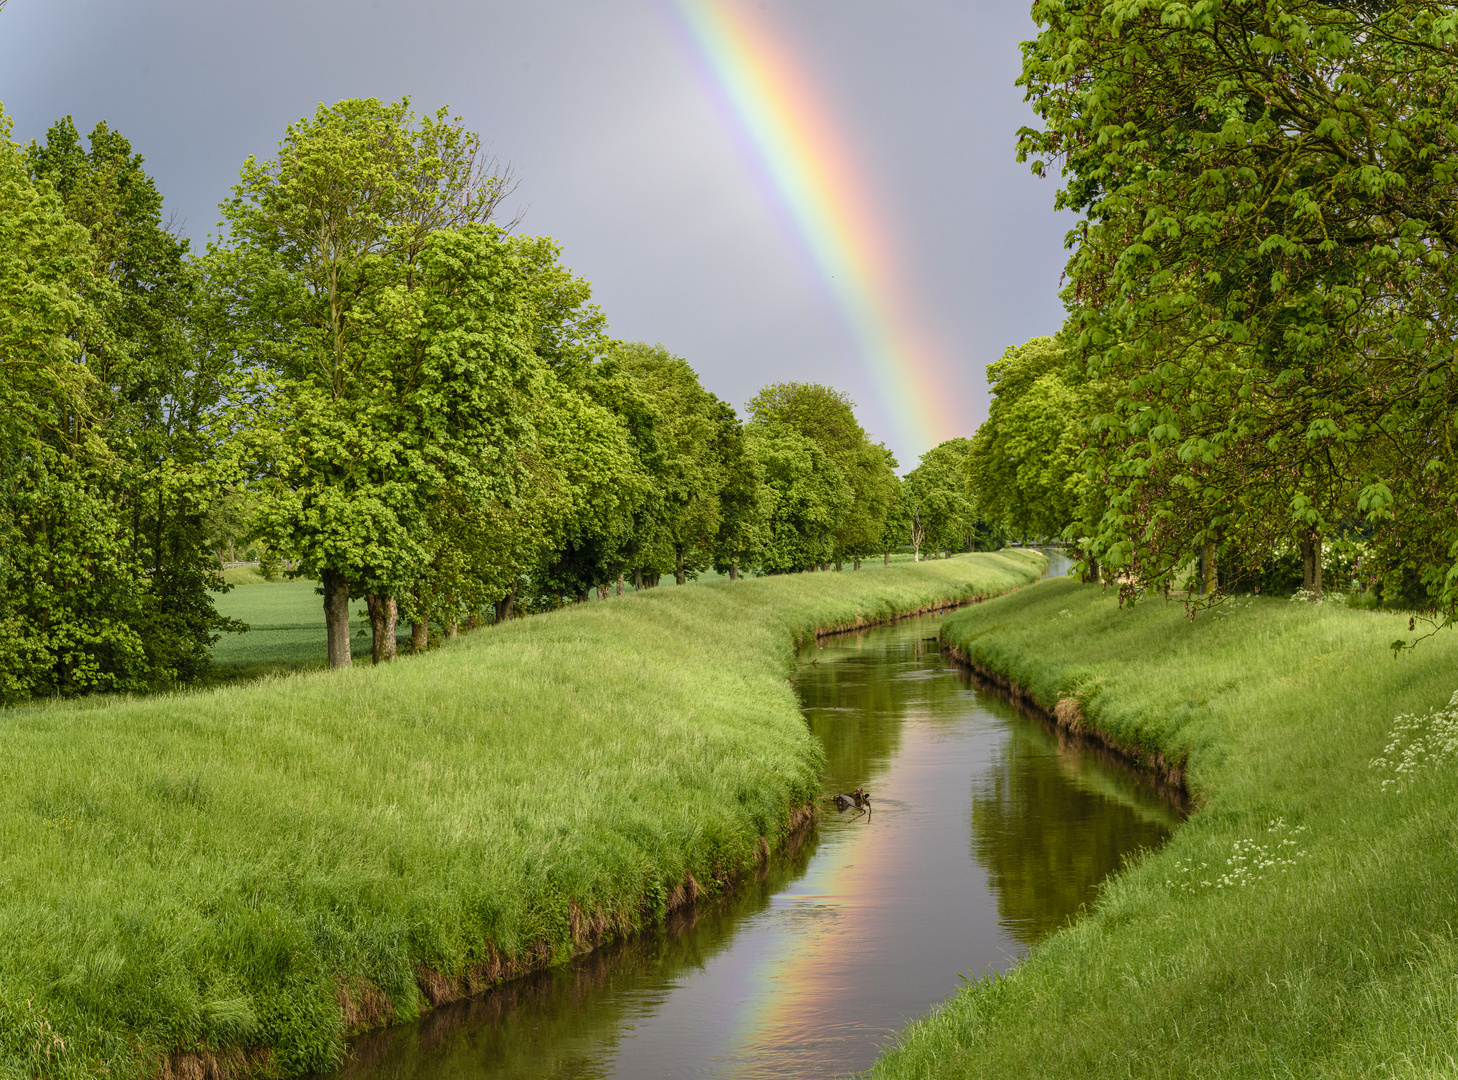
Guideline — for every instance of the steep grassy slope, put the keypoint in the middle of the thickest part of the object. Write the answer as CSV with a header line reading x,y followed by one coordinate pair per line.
x,y
1304,923
245,874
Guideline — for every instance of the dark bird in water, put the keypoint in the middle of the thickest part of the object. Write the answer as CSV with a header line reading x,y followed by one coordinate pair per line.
x,y
860,799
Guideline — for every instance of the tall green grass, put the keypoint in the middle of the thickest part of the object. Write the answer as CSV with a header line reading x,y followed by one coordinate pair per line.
x,y
1339,959
287,631
251,866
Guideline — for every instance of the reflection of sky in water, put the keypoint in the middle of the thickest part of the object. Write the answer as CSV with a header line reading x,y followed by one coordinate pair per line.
x,y
888,912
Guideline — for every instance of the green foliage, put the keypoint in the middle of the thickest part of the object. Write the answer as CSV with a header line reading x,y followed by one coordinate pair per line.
x,y
110,441
1262,272
1023,469
696,435
185,871
1340,965
391,333
804,498
827,418
744,507
935,511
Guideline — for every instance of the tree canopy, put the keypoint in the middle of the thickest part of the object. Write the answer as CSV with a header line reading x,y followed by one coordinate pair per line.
x,y
1023,467
1262,272
373,384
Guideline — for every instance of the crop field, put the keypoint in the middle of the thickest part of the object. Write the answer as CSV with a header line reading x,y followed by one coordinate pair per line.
x,y
242,876
1304,922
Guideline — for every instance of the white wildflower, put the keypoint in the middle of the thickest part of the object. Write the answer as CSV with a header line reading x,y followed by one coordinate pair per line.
x,y
1418,744
1250,863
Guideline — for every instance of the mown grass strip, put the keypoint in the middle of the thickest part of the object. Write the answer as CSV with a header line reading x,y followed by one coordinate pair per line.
x,y
1304,923
245,875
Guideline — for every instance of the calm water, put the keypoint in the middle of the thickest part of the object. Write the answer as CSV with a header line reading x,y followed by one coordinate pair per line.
x,y
986,835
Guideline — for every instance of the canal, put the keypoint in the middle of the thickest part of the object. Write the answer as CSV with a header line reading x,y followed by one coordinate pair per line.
x,y
986,833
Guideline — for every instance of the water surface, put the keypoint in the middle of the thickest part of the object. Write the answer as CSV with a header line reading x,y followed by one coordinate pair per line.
x,y
986,834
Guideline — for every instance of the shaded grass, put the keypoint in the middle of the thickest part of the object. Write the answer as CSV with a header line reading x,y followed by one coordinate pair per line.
x,y
1343,964
286,630
213,870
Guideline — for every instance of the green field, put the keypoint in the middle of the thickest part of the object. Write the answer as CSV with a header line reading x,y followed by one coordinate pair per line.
x,y
269,866
286,623
1304,923
286,630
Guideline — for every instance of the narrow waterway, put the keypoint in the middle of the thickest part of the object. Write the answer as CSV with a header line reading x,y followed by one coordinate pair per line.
x,y
986,834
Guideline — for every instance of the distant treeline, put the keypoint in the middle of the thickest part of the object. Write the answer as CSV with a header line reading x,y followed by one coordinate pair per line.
x,y
365,379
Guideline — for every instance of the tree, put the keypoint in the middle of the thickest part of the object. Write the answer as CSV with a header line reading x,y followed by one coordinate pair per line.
x,y
1263,268
827,417
935,505
744,507
352,259
596,462
805,498
44,258
114,452
1023,468
696,432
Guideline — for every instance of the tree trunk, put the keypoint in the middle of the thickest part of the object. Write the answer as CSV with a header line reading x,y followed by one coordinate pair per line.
x,y
1316,563
838,566
419,637
1091,574
886,559
384,617
678,574
637,579
857,565
505,605
734,571
377,625
1308,579
336,617
620,584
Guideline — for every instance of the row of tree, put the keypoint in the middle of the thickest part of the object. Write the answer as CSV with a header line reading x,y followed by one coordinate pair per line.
x,y
368,379
1259,353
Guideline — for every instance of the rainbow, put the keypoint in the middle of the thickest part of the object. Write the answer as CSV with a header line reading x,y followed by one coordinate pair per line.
x,y
794,145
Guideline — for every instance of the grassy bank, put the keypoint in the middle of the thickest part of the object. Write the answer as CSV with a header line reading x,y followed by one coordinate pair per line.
x,y
252,872
286,623
1304,923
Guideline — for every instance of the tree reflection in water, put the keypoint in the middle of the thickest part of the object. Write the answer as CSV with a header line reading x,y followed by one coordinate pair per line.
x,y
1049,837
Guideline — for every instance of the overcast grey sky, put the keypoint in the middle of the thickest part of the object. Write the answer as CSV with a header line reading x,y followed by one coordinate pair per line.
x,y
623,156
